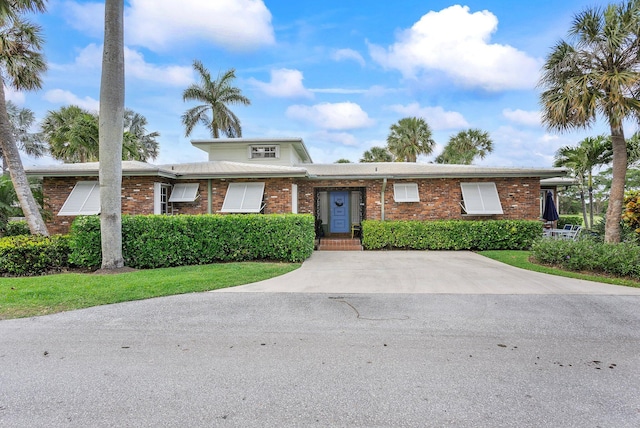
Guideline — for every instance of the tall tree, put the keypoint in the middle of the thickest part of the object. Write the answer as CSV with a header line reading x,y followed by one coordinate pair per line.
x,y
13,8
376,154
409,138
215,95
21,65
465,146
110,135
596,73
22,120
73,136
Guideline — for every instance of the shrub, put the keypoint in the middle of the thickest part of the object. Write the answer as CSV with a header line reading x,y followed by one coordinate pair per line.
x,y
162,241
569,219
28,255
450,234
590,255
16,228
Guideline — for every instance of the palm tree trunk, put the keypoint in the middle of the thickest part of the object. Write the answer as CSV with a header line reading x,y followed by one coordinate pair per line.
x,y
616,196
583,203
11,156
110,135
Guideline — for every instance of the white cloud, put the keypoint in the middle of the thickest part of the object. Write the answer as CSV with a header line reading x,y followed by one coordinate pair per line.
x,y
457,43
60,96
162,25
334,116
12,95
348,54
284,83
136,67
437,118
522,117
232,24
343,138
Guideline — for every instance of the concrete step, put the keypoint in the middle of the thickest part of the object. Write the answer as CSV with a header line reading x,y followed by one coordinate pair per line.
x,y
331,244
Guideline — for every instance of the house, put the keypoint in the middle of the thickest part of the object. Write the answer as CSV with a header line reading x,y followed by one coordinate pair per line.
x,y
245,175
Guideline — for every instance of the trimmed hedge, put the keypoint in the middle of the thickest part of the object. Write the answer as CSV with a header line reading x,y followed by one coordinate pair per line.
x,y
28,255
162,241
622,259
450,234
16,228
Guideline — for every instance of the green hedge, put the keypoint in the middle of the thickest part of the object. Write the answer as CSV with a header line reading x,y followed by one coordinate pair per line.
x,y
450,234
162,241
33,255
16,228
569,219
621,259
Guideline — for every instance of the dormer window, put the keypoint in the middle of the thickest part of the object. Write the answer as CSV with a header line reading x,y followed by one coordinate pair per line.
x,y
264,152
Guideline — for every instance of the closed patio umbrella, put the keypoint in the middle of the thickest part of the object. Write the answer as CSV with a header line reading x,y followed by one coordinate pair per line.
x,y
550,213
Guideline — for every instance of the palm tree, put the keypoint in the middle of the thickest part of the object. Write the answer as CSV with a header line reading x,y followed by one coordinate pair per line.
x,y
409,138
22,120
595,75
110,135
376,154
215,96
465,146
581,160
12,8
73,136
21,65
139,144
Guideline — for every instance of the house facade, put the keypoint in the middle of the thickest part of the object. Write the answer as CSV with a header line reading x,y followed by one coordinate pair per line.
x,y
277,176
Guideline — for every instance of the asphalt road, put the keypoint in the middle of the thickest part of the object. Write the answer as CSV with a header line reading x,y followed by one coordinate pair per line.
x,y
328,360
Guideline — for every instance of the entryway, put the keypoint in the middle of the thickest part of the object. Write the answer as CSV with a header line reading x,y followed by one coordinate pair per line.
x,y
339,213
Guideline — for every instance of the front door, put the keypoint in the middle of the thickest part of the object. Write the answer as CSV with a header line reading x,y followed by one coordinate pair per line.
x,y
339,212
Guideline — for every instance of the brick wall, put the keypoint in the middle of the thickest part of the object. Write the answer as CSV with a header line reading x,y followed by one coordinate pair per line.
x,y
439,198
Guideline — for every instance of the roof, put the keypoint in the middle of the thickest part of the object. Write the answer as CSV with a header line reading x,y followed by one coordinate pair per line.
x,y
224,169
129,168
227,169
422,170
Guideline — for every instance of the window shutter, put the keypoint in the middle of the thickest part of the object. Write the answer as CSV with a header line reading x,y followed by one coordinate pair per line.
x,y
84,199
481,199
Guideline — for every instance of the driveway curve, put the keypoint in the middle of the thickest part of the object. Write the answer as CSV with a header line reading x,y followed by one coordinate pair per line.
x,y
435,272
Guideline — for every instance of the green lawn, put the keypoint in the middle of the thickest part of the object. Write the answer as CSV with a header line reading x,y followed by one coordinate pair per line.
x,y
25,297
521,259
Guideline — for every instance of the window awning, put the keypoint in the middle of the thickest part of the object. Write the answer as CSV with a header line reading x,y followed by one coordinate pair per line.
x,y
243,198
406,192
481,199
184,192
84,199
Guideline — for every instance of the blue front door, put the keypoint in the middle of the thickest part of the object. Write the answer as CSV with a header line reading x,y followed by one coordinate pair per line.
x,y
339,212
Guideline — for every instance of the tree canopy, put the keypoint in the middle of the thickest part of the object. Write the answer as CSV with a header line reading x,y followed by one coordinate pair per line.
x,y
409,138
464,147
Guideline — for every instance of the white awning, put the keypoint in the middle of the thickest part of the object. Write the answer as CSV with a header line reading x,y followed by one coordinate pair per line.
x,y
406,192
481,199
84,199
243,198
184,192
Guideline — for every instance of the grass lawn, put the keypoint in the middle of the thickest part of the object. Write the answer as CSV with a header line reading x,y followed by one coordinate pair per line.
x,y
521,259
25,297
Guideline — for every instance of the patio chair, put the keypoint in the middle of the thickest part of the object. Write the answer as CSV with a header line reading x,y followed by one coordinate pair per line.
x,y
568,227
573,233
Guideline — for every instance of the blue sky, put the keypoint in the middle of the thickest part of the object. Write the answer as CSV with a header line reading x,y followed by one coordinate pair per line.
x,y
336,73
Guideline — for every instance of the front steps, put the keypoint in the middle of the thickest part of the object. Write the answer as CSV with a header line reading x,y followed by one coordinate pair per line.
x,y
339,244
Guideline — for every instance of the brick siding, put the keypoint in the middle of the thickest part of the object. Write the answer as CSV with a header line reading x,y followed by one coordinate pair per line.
x,y
439,198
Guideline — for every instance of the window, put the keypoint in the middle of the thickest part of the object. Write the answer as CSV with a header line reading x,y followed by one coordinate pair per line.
x,y
243,198
405,192
161,198
264,152
184,192
480,199
294,198
84,199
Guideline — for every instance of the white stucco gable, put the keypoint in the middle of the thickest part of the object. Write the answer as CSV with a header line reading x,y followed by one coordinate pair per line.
x,y
266,151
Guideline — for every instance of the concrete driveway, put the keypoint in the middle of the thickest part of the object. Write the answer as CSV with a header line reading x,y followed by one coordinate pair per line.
x,y
442,272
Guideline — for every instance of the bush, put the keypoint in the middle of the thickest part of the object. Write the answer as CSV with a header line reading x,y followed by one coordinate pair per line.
x,y
569,219
450,234
590,255
16,228
162,241
27,255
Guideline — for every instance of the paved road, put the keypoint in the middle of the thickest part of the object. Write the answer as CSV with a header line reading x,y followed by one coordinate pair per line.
x,y
328,359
